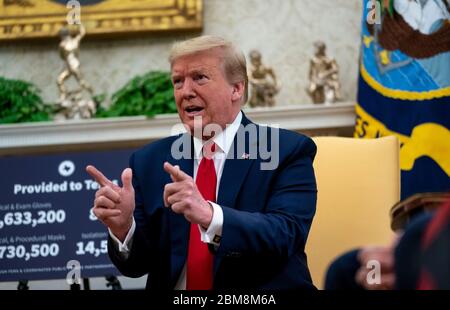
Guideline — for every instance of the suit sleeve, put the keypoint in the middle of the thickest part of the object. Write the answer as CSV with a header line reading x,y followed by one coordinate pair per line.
x,y
282,228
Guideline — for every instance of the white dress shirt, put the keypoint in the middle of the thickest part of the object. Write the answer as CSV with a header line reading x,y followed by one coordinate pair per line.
x,y
212,235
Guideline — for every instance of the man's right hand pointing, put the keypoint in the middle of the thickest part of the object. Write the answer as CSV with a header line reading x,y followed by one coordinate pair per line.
x,y
114,205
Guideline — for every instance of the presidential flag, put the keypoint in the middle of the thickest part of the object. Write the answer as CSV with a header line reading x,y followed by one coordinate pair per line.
x,y
404,87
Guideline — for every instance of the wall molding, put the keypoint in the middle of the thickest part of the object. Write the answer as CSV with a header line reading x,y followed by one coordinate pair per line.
x,y
305,117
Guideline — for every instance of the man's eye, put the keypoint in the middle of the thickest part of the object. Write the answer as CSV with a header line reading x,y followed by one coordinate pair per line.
x,y
177,83
200,77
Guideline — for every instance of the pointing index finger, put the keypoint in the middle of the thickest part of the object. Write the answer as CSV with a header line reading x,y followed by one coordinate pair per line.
x,y
175,172
98,176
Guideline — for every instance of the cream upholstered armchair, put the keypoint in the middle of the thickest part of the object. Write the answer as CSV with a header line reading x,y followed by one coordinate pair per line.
x,y
358,181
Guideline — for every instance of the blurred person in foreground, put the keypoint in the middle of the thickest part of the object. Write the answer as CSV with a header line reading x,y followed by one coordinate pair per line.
x,y
418,258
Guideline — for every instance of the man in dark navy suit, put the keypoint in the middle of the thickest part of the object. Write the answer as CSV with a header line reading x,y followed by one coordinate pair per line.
x,y
228,204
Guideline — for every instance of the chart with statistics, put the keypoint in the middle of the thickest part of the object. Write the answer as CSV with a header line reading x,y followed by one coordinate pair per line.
x,y
47,227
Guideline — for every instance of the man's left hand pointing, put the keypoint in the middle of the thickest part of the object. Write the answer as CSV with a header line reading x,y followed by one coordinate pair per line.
x,y
184,197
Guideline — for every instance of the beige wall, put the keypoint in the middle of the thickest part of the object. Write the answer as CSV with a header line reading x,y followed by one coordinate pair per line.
x,y
283,30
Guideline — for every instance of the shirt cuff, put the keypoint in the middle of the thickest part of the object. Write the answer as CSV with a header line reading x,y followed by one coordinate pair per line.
x,y
125,246
214,232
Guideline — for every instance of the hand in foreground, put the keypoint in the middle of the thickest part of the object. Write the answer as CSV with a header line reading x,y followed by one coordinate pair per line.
x,y
114,205
183,197
371,258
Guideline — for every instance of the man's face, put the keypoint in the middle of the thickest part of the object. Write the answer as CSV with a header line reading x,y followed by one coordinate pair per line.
x,y
202,90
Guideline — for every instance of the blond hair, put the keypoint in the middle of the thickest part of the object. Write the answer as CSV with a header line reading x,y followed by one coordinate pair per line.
x,y
233,60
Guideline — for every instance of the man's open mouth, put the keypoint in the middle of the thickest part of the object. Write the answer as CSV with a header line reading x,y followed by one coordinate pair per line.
x,y
193,109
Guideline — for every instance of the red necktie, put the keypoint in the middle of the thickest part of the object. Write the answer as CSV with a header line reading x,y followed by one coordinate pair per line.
x,y
200,260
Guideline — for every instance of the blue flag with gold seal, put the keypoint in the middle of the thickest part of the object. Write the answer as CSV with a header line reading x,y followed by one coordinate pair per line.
x,y
404,87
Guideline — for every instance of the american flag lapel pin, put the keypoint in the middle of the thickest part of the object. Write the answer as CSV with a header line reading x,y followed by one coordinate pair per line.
x,y
245,156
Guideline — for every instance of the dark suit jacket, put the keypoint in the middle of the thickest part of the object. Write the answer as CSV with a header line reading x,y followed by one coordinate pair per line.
x,y
266,214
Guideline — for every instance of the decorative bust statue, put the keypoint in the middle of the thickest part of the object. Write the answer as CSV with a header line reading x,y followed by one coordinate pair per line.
x,y
263,82
324,86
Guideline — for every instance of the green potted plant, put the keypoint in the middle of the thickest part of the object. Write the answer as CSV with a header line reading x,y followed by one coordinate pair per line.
x,y
20,102
149,94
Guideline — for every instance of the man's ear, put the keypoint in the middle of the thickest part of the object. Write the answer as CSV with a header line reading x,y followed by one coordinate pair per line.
x,y
237,91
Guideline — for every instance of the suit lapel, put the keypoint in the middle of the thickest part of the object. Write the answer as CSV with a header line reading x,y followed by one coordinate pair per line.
x,y
235,171
236,166
179,226
234,174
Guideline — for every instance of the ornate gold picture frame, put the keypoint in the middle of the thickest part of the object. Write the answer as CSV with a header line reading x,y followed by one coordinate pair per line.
x,y
23,19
